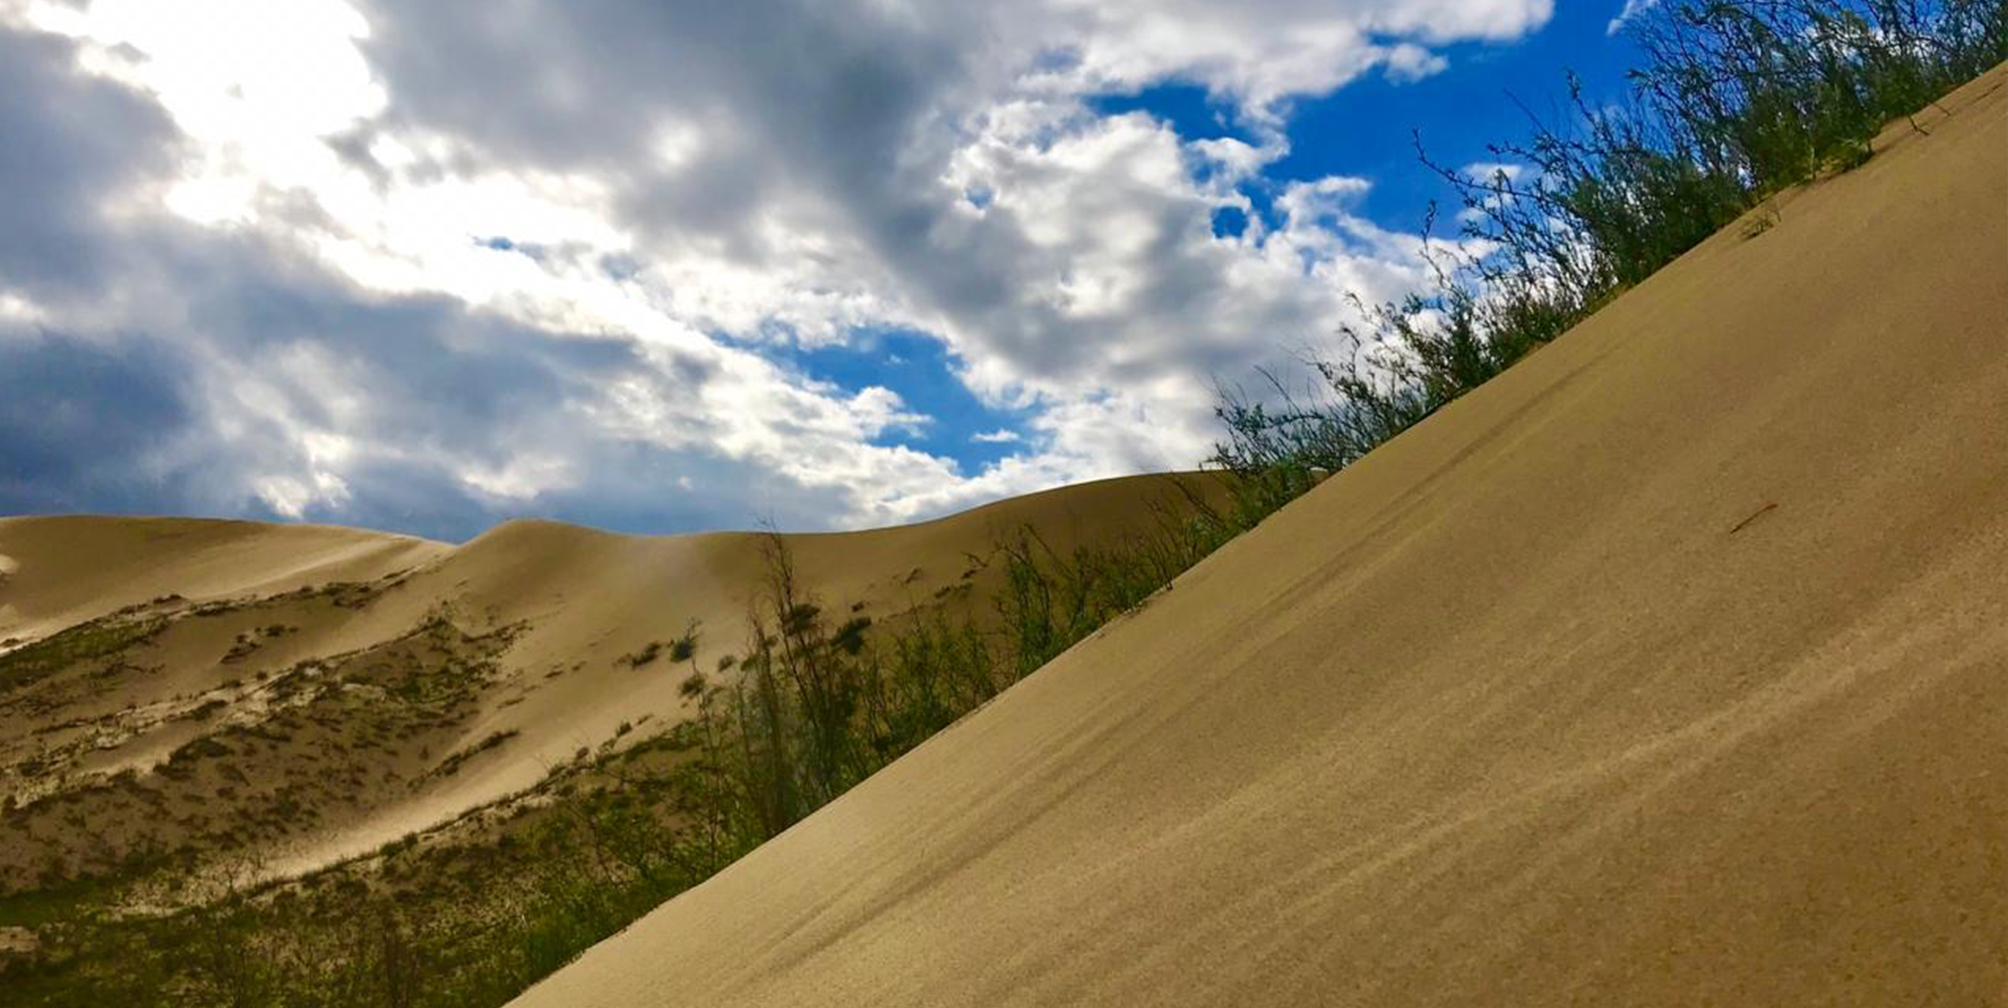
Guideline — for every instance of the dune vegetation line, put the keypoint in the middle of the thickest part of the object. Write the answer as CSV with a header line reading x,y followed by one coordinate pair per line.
x,y
811,702
1736,100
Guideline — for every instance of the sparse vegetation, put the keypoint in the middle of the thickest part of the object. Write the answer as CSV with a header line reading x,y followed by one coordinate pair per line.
x,y
1736,100
473,913
92,644
1739,100
646,656
451,765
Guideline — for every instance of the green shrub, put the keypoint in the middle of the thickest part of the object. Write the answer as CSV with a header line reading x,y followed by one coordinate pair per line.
x,y
1735,100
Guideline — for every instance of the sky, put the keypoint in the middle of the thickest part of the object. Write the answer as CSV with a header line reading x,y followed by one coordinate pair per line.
x,y
665,265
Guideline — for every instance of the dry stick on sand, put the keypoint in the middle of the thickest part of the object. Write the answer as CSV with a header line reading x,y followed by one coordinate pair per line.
x,y
1761,512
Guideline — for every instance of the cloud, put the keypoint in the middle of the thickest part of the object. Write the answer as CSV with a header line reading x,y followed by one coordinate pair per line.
x,y
64,450
1632,9
841,165
528,258
72,144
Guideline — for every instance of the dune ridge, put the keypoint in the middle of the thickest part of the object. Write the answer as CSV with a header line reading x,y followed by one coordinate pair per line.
x,y
225,688
1664,669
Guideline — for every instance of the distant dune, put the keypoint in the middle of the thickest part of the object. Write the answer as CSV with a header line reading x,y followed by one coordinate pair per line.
x,y
288,695
1668,669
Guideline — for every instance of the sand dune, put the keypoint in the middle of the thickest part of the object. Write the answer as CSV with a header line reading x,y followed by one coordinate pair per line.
x,y
1666,669
295,694
59,571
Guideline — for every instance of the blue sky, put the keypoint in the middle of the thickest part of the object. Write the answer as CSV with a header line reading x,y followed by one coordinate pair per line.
x,y
666,265
918,367
1367,128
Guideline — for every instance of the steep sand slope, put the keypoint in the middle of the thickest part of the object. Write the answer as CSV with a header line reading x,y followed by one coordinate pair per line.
x,y
1668,669
295,694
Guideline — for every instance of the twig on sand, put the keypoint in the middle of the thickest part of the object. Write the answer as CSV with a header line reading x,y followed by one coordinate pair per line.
x,y
1761,512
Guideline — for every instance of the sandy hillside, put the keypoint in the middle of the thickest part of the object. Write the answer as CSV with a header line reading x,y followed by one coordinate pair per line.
x,y
286,695
1667,669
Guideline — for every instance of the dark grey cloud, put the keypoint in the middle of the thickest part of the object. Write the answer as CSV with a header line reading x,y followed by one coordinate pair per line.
x,y
833,108
788,96
83,427
163,420
156,420
68,143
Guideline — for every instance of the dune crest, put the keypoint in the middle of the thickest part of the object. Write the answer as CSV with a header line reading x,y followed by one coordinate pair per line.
x,y
1665,669
293,695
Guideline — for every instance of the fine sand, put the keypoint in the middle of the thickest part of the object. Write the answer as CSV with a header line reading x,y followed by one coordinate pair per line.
x,y
256,715
1669,669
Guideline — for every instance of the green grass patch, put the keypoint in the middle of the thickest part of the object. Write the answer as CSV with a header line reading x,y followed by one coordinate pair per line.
x,y
96,641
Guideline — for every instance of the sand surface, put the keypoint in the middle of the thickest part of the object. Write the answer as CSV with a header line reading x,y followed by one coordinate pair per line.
x,y
1669,669
264,708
